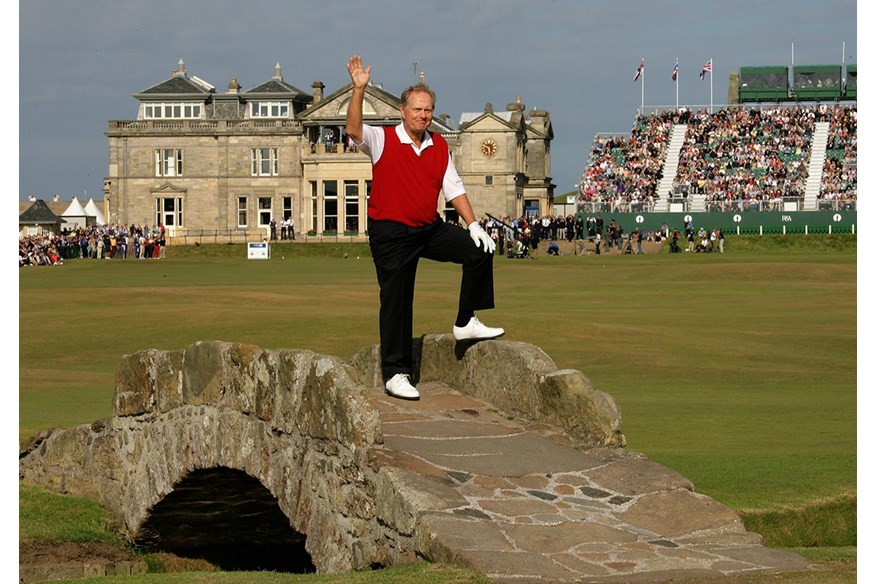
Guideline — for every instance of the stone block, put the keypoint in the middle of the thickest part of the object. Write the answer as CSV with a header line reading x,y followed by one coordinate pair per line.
x,y
147,382
681,512
568,400
634,476
402,495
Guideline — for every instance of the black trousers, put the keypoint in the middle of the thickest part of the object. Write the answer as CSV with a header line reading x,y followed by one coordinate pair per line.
x,y
396,250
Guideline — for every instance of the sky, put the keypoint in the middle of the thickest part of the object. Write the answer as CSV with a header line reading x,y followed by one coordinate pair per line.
x,y
80,62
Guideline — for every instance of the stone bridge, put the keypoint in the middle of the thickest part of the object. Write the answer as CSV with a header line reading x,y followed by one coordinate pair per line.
x,y
506,465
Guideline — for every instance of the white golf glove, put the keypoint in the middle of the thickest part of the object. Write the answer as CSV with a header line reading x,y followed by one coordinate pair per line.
x,y
479,236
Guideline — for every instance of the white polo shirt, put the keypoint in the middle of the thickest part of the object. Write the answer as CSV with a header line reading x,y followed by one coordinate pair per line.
x,y
372,145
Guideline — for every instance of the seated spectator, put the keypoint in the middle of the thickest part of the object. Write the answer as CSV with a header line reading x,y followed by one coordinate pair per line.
x,y
747,159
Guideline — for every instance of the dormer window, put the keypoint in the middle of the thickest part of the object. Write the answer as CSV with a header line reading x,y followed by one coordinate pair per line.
x,y
182,110
269,109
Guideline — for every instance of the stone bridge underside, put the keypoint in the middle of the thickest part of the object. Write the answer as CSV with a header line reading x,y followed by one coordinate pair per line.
x,y
219,426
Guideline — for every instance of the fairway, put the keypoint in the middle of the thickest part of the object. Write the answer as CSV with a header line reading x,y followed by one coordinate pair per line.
x,y
737,370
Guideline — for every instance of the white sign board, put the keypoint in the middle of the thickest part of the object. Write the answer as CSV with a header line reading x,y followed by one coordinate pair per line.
x,y
258,250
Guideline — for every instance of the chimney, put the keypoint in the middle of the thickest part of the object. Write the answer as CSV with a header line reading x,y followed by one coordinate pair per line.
x,y
423,77
234,86
278,72
180,70
317,86
539,119
517,106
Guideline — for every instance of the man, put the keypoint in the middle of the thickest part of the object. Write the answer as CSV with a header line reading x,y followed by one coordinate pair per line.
x,y
410,168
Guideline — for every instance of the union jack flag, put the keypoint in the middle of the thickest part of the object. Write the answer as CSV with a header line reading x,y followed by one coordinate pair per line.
x,y
639,70
707,68
675,72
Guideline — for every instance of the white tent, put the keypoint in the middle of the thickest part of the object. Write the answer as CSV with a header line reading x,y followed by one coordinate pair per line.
x,y
75,215
92,211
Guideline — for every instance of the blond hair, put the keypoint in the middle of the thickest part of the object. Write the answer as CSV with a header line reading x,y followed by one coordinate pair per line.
x,y
418,88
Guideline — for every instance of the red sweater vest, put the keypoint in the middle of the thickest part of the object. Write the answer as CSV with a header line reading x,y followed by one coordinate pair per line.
x,y
405,186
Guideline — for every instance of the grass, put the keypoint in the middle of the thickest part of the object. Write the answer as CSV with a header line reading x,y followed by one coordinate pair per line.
x,y
45,516
421,573
822,524
737,370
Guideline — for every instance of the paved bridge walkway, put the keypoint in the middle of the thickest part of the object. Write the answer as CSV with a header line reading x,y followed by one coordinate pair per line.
x,y
519,504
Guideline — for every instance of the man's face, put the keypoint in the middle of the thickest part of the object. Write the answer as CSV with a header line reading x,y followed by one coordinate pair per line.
x,y
417,113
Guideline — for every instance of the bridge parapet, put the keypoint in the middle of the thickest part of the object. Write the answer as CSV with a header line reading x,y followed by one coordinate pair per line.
x,y
518,378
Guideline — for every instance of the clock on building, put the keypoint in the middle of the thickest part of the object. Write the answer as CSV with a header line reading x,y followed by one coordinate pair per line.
x,y
489,147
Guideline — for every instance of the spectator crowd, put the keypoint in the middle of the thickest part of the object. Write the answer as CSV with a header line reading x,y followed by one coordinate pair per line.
x,y
522,236
746,159
839,182
623,173
96,242
749,158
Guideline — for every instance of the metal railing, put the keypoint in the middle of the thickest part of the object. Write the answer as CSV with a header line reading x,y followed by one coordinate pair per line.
x,y
682,204
231,236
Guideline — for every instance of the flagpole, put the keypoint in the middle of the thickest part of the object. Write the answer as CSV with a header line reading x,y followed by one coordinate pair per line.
x,y
677,75
643,88
711,84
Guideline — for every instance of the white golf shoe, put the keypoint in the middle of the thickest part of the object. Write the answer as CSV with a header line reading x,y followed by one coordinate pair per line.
x,y
476,330
400,386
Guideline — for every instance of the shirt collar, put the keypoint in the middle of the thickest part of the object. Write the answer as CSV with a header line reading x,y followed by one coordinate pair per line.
x,y
405,139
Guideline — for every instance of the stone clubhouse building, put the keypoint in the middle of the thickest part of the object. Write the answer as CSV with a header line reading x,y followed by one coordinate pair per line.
x,y
202,162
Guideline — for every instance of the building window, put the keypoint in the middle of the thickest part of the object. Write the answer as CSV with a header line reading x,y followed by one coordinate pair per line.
x,y
265,211
264,162
351,206
182,110
488,180
168,162
287,207
330,205
169,211
241,212
314,205
269,109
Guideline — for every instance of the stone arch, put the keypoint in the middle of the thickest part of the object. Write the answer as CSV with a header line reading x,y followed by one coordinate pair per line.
x,y
166,449
228,518
304,475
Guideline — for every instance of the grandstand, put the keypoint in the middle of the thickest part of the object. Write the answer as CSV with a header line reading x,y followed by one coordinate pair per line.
x,y
783,158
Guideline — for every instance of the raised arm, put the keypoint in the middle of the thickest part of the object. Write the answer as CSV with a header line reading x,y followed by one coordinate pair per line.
x,y
360,77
